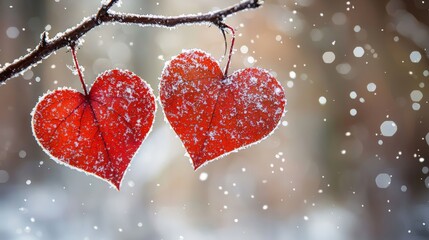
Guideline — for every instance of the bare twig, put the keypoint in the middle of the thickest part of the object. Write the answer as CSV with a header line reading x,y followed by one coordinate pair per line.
x,y
47,46
104,8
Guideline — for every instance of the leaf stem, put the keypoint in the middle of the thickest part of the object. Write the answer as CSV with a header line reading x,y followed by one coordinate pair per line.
x,y
223,25
76,64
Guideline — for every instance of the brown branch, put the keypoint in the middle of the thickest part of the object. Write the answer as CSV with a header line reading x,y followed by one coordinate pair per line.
x,y
47,46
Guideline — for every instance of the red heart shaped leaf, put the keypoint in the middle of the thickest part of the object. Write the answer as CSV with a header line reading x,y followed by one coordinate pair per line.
x,y
214,115
98,133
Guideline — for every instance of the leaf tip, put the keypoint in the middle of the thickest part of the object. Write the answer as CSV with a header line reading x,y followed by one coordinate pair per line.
x,y
196,167
116,184
197,164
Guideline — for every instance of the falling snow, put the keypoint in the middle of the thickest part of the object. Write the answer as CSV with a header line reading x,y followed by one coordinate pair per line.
x,y
388,128
349,160
203,176
328,57
415,56
371,87
383,180
12,32
322,100
358,51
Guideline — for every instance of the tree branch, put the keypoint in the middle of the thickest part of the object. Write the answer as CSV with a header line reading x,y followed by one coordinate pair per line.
x,y
47,46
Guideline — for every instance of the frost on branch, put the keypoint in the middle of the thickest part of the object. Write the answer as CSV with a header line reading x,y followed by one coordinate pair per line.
x,y
70,36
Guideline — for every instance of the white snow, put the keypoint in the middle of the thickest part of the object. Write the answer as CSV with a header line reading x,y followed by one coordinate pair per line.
x,y
339,18
203,176
12,32
415,106
4,176
358,51
371,87
322,100
427,138
388,128
383,180
343,68
22,154
416,95
415,56
328,57
244,49
356,28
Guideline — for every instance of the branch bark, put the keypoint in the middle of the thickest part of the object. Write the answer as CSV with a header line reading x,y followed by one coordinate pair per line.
x,y
47,46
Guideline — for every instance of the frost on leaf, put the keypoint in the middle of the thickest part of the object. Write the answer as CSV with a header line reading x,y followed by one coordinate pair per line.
x,y
98,133
214,115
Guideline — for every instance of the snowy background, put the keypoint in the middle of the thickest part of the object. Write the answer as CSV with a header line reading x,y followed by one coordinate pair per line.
x,y
349,160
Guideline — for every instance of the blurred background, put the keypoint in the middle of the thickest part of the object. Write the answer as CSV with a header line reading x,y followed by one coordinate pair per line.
x,y
348,161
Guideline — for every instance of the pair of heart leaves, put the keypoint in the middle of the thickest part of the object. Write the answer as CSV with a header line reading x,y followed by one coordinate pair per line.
x,y
213,115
